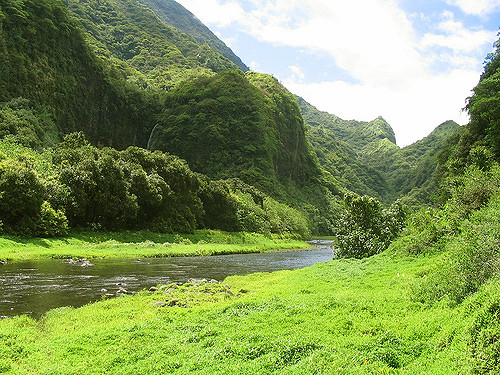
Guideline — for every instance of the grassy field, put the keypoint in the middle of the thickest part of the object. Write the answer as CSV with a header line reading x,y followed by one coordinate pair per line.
x,y
340,317
143,244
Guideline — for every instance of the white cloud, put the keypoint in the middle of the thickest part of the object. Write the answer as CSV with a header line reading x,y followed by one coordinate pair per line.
x,y
414,82
413,112
371,39
255,66
215,12
456,37
297,73
476,7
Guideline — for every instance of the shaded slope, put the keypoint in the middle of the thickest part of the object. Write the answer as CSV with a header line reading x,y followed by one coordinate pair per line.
x,y
44,58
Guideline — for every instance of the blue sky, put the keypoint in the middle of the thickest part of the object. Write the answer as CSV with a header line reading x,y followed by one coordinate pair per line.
x,y
414,62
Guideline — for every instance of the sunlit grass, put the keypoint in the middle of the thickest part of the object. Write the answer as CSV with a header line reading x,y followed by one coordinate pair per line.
x,y
143,244
340,317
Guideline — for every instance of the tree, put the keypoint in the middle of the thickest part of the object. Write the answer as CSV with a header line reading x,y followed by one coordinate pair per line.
x,y
365,228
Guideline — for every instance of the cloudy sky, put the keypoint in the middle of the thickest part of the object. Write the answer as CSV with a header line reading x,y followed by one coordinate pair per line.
x,y
412,62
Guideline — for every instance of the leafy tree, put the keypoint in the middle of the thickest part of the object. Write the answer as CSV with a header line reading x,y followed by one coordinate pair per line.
x,y
366,228
21,196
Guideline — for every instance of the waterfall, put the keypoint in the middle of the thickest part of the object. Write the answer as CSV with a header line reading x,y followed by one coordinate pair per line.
x,y
151,137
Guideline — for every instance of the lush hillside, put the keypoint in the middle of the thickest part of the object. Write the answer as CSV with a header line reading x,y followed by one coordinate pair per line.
x,y
337,156
417,175
45,59
247,126
364,156
174,14
151,53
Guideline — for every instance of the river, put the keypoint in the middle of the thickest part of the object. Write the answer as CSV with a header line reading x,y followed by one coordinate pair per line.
x,y
36,286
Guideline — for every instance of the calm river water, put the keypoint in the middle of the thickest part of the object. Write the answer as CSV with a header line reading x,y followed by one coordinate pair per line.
x,y
34,287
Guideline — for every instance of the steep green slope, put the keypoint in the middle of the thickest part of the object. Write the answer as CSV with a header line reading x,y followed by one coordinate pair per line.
x,y
44,58
236,125
174,14
106,80
366,159
416,173
130,33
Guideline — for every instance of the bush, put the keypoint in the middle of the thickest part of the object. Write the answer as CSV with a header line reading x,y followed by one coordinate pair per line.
x,y
51,222
21,196
365,228
484,332
473,259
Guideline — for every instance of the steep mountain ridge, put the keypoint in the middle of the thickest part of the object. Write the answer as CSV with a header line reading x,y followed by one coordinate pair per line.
x,y
174,14
364,156
153,54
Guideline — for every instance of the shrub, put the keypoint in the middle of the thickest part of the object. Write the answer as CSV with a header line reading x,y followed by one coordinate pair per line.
x,y
365,228
51,222
21,196
473,259
484,332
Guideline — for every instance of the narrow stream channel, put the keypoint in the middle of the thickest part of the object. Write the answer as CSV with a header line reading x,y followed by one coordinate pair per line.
x,y
34,287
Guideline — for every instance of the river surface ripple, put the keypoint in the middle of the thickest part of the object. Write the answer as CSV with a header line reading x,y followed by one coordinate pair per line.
x,y
34,287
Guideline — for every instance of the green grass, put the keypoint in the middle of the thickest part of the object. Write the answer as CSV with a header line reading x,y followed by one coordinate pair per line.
x,y
143,244
340,317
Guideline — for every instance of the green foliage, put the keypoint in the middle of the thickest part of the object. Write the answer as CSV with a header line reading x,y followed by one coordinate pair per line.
x,y
51,223
129,189
484,126
365,228
83,186
148,51
27,125
44,58
484,332
365,158
466,228
21,196
174,14
473,259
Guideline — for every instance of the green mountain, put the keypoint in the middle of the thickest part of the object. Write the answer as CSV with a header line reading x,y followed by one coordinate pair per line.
x,y
46,60
364,157
174,14
113,69
152,54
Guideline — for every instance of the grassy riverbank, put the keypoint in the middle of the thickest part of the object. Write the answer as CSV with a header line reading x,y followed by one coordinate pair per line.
x,y
143,244
341,317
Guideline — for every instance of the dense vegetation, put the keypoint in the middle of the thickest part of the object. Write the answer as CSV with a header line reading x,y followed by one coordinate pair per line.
x,y
149,52
174,14
78,185
46,60
364,157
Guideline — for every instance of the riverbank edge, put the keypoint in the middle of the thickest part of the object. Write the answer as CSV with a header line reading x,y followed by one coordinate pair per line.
x,y
360,320
144,244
